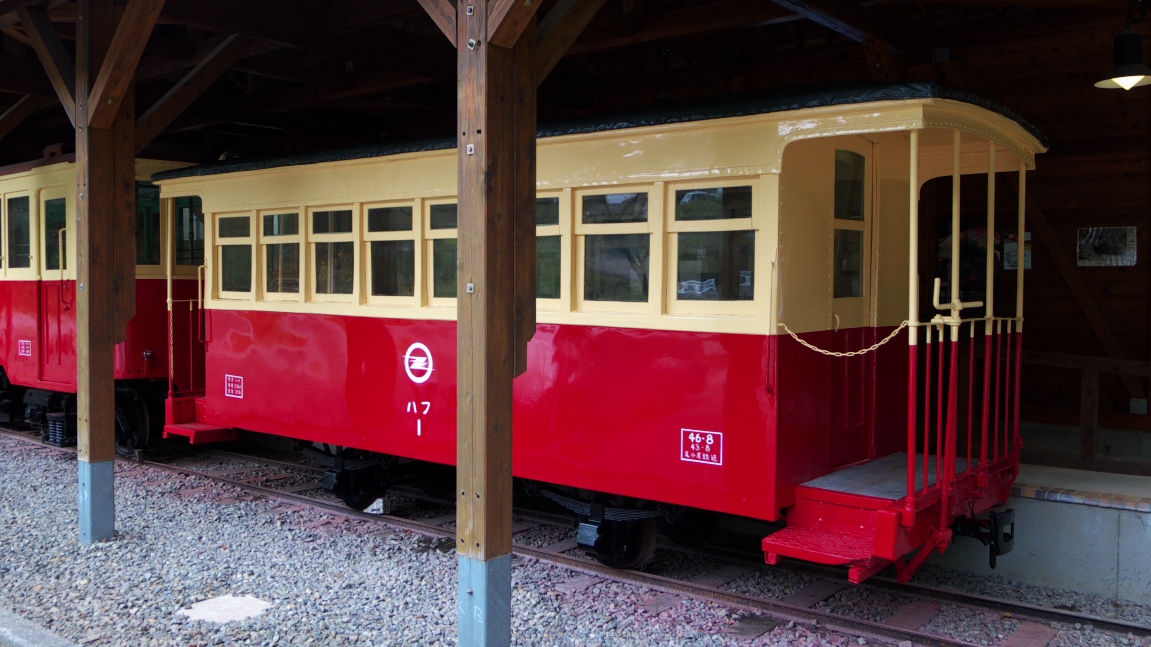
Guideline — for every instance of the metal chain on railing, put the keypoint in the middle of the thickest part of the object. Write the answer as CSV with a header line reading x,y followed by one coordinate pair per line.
x,y
854,353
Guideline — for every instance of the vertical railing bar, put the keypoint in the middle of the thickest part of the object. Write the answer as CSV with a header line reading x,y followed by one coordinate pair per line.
x,y
912,316
1019,267
1008,382
998,389
927,379
970,395
939,409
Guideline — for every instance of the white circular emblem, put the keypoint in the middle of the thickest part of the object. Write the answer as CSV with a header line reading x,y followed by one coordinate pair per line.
x,y
418,363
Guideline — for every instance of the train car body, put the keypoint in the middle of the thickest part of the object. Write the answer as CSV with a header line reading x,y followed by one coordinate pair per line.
x,y
38,291
672,253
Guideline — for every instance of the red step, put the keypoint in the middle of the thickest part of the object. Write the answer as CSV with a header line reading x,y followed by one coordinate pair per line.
x,y
183,415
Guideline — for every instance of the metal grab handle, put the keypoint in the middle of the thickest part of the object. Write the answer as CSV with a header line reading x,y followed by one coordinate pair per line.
x,y
200,332
60,257
954,306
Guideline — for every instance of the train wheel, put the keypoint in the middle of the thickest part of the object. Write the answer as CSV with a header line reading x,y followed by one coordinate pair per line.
x,y
687,526
628,544
363,497
132,423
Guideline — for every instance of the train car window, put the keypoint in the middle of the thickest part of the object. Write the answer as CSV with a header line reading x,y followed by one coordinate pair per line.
x,y
334,256
848,263
616,267
720,203
19,233
280,243
235,259
390,219
55,219
444,216
850,171
548,251
147,224
547,211
716,266
442,221
394,268
189,231
390,239
614,208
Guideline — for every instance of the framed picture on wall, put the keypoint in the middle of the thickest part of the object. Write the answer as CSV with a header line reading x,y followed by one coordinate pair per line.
x,y
1106,247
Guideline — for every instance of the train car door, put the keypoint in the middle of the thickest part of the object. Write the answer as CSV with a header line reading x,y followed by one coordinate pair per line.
x,y
188,325
57,293
851,378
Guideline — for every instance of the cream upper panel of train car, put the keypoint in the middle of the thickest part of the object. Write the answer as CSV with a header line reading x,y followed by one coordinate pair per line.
x,y
37,215
673,226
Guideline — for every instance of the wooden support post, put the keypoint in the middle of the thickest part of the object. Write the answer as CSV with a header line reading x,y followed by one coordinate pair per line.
x,y
1088,413
496,94
105,214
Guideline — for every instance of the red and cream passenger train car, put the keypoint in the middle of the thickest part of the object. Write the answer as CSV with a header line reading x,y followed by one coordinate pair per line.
x,y
38,296
675,255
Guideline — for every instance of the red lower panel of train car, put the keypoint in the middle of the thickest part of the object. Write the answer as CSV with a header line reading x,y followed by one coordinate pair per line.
x,y
679,417
38,343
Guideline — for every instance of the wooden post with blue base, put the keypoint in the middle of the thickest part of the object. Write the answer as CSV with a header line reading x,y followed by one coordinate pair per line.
x,y
496,294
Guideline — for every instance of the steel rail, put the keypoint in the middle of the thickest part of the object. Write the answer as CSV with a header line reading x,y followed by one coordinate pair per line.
x,y
778,609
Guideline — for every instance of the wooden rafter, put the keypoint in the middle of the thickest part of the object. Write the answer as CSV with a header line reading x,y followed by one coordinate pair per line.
x,y
119,67
347,16
181,95
507,19
836,18
19,111
24,76
443,13
57,63
698,19
1078,290
562,25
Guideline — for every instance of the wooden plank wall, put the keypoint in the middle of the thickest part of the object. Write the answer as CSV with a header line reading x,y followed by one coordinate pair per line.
x,y
1098,173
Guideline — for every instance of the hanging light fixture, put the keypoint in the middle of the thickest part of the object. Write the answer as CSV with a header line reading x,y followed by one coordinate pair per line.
x,y
1129,71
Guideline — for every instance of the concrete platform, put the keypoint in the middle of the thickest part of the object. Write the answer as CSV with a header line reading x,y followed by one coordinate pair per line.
x,y
1074,529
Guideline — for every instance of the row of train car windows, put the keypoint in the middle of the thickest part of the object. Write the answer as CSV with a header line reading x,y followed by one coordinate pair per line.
x,y
715,265
55,217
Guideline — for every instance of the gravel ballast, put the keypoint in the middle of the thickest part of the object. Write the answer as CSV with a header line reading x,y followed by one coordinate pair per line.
x,y
331,580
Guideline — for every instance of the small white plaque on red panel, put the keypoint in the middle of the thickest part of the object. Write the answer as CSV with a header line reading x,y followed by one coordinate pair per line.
x,y
24,348
696,446
234,386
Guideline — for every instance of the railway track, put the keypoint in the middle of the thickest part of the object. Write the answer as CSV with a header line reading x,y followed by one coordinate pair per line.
x,y
259,476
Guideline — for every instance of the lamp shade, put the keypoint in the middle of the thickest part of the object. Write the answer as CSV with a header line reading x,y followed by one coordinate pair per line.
x,y
1129,70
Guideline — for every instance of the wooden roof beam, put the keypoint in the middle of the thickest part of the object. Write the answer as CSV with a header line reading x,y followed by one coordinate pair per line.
x,y
19,111
56,60
838,18
443,13
715,16
559,29
507,19
163,112
347,16
119,67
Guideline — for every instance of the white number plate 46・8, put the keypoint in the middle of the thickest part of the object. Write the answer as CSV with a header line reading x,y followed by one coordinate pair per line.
x,y
697,446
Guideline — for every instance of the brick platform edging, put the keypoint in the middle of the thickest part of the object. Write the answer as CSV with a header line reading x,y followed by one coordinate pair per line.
x,y
18,632
1082,497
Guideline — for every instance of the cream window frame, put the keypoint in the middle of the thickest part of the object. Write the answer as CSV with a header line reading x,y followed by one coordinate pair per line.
x,y
343,237
149,271
676,227
415,234
69,196
852,312
654,227
218,244
430,236
563,230
171,229
262,261
33,269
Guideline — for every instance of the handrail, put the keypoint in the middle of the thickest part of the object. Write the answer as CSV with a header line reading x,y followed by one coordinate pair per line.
x,y
61,255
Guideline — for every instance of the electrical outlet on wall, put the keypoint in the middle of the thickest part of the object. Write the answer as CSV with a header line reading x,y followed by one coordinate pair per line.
x,y
1139,406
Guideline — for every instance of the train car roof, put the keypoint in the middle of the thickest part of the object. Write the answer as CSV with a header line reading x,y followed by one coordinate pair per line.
x,y
814,96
